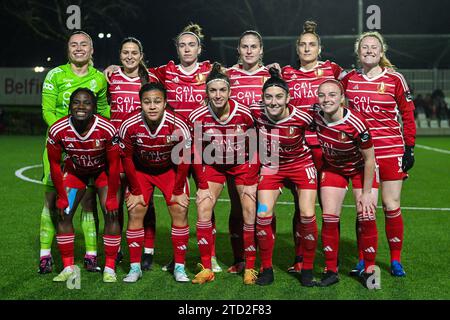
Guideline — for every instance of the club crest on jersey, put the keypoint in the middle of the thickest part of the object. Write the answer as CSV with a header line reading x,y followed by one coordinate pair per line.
x,y
291,131
98,143
381,88
342,137
93,85
239,129
264,79
318,72
200,78
168,139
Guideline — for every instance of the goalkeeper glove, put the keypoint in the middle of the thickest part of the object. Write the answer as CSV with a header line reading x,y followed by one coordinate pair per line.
x,y
408,158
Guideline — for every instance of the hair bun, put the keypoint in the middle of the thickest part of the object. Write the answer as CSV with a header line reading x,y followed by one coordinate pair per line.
x,y
194,28
274,73
216,68
309,26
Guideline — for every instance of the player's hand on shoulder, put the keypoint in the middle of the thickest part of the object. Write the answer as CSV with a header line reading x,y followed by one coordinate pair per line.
x,y
275,65
109,71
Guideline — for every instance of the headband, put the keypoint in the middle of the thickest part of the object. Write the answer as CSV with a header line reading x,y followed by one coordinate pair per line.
x,y
191,33
218,79
335,82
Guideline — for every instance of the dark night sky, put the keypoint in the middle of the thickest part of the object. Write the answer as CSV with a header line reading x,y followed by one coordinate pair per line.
x,y
161,21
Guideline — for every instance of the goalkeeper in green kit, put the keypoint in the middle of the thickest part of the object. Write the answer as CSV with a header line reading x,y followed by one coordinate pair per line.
x,y
59,84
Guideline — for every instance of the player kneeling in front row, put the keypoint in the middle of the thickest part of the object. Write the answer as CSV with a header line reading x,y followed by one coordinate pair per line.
x,y
92,159
224,125
155,151
282,127
349,155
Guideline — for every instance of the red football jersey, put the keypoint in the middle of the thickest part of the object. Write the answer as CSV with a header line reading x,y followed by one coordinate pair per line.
x,y
124,94
341,141
284,139
246,87
303,85
86,154
152,150
185,91
379,100
229,138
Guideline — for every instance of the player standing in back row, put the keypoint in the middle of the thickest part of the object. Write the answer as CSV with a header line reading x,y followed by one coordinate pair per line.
x,y
246,79
380,95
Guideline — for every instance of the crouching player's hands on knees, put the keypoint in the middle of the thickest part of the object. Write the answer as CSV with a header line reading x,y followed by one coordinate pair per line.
x,y
250,191
135,200
367,205
181,199
203,194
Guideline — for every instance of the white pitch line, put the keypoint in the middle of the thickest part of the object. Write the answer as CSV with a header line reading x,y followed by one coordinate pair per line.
x,y
433,149
19,174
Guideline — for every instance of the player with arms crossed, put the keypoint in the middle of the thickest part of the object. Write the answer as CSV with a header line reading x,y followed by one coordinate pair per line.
x,y
59,84
151,141
224,149
348,155
123,91
281,127
92,158
380,95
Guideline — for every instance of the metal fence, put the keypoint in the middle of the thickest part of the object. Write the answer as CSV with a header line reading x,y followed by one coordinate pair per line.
x,y
423,81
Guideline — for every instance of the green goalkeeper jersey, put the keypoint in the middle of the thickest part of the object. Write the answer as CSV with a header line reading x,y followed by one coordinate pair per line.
x,y
59,84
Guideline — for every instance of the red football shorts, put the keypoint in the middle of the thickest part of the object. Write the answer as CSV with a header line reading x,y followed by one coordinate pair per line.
x,y
164,181
332,179
302,177
391,169
98,180
218,174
